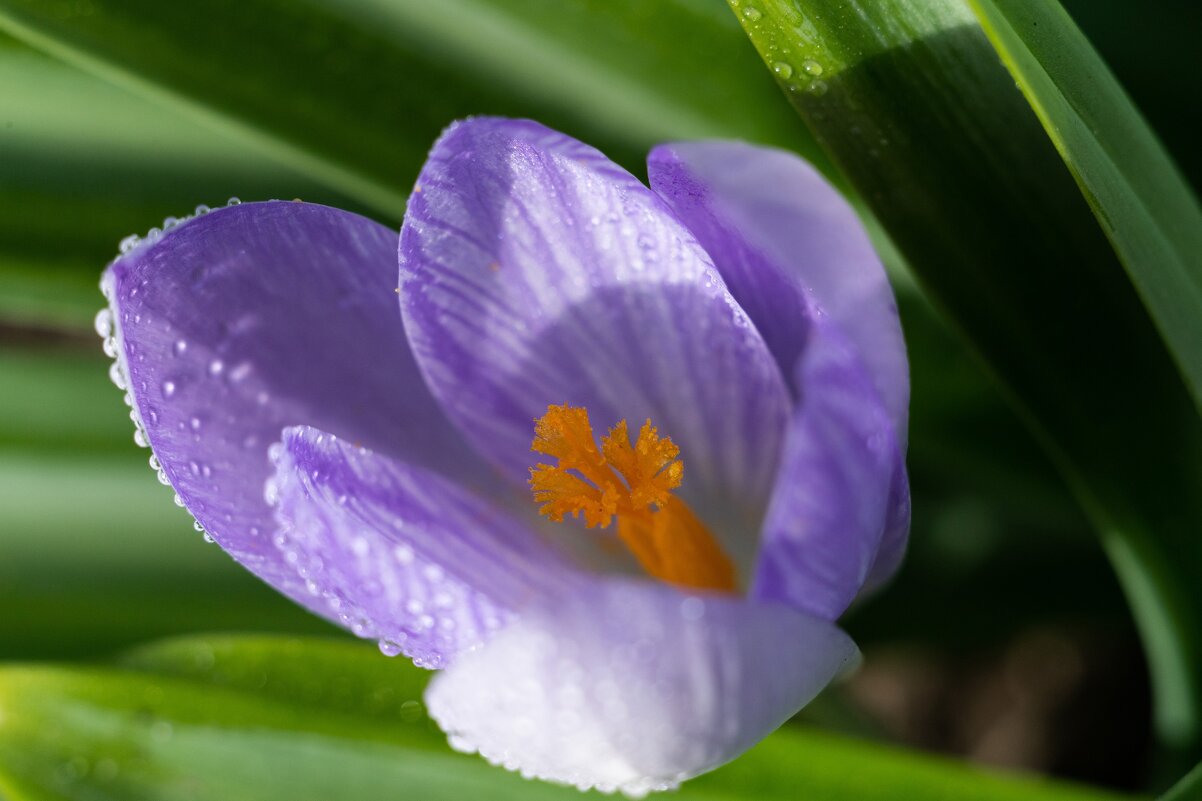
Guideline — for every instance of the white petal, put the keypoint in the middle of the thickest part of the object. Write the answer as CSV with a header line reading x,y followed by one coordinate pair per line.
x,y
634,686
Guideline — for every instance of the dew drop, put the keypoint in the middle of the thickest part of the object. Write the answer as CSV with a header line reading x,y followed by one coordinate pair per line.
x,y
216,367
817,88
201,210
389,648
180,347
104,323
128,244
234,201
168,388
783,70
812,67
752,13
411,711
116,376
140,438
240,372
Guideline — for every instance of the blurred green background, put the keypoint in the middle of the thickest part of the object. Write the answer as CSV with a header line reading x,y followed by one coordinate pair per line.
x,y
1005,639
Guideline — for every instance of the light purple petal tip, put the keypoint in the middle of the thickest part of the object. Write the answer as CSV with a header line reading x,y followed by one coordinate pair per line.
x,y
259,316
634,686
535,271
402,555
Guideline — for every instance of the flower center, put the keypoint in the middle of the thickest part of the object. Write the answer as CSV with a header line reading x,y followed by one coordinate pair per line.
x,y
633,483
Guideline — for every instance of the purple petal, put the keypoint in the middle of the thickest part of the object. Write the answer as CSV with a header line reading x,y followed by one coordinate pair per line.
x,y
792,250
401,554
634,686
536,272
789,247
833,496
254,317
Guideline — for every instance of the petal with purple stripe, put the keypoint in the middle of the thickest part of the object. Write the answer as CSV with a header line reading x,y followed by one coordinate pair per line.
x,y
634,686
401,554
537,272
833,495
250,318
792,251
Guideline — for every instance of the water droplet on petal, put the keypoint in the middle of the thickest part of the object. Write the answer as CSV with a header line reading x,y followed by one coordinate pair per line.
x,y
389,648
168,388
783,70
104,323
812,67
116,376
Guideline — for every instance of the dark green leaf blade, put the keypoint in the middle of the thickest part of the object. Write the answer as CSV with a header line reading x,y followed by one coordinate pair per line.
x,y
909,99
1140,199
1188,789
354,94
235,719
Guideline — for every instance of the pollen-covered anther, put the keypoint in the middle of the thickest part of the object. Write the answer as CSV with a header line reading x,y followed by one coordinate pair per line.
x,y
633,483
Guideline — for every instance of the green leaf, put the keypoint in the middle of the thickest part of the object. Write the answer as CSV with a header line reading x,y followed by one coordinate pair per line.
x,y
229,719
96,555
85,164
1140,199
354,94
1188,789
909,99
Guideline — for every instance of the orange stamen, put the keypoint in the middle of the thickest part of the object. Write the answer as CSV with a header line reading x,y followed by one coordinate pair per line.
x,y
633,483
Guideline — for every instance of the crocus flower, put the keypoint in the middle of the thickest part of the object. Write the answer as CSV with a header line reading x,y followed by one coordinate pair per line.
x,y
728,330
